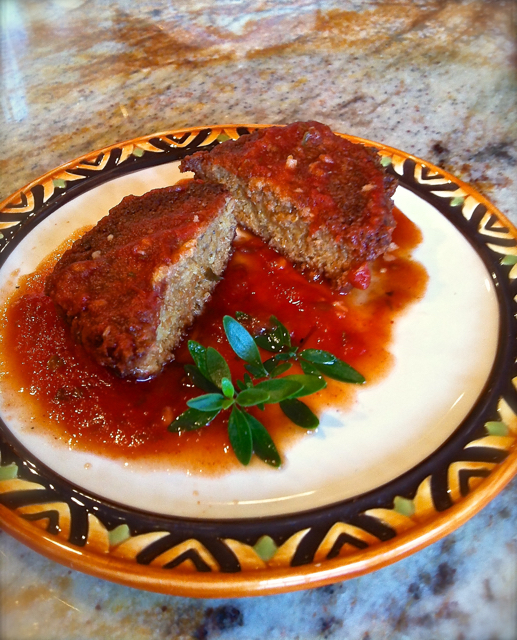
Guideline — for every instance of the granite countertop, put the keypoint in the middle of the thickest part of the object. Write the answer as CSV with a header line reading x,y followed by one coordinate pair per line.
x,y
435,78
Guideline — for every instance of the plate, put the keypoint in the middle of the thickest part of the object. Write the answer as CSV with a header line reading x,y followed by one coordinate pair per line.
x,y
426,448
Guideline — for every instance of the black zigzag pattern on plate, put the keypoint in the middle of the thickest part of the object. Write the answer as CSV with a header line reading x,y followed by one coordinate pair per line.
x,y
62,185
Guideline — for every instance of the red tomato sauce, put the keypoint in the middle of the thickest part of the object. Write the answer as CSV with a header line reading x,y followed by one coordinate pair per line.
x,y
85,406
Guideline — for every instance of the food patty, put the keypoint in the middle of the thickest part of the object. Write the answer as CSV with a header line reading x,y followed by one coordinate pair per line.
x,y
131,285
319,199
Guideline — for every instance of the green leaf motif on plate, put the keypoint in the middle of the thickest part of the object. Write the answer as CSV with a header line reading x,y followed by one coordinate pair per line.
x,y
265,548
495,428
404,506
9,472
118,535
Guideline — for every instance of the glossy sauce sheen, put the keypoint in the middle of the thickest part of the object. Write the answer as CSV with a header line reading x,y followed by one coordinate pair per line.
x,y
85,406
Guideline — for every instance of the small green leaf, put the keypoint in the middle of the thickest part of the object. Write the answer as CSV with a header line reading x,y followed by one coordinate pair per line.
x,y
247,383
342,372
267,342
192,419
252,397
331,366
227,402
282,368
279,389
309,368
138,152
509,260
318,356
198,379
217,366
256,372
299,413
281,331
227,388
59,182
207,402
276,339
198,353
271,363
242,343
223,137
309,384
263,444
240,436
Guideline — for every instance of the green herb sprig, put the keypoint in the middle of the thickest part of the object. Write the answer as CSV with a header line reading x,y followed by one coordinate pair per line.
x,y
261,385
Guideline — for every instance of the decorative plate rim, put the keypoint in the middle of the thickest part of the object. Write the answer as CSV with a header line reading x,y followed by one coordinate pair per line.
x,y
262,564
268,581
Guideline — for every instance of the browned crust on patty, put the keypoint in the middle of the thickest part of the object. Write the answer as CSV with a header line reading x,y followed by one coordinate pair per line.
x,y
131,285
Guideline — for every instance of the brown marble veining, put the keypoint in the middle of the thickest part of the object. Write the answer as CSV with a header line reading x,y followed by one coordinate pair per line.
x,y
435,78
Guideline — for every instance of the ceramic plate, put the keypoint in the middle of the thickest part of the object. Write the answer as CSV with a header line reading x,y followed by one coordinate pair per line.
x,y
426,447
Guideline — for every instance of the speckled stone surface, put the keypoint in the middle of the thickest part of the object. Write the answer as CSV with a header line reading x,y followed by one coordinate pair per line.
x,y
436,78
